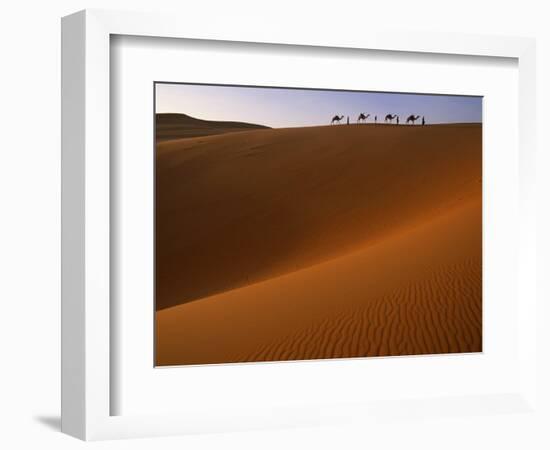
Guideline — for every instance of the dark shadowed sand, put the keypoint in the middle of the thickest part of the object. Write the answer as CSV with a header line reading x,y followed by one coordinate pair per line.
x,y
177,126
308,243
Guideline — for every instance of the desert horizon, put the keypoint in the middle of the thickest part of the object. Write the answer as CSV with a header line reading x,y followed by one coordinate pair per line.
x,y
317,241
173,126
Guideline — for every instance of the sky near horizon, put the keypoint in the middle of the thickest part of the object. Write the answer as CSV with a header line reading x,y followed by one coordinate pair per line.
x,y
283,107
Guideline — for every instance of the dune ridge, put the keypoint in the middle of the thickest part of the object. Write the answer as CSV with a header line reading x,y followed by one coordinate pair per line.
x,y
322,242
259,204
170,126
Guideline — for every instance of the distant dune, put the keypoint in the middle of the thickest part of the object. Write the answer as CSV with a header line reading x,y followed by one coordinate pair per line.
x,y
178,126
318,242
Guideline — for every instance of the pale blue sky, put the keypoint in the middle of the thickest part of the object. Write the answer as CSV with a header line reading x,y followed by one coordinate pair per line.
x,y
280,107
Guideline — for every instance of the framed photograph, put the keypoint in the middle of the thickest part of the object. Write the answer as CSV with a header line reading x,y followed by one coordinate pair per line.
x,y
266,228
284,232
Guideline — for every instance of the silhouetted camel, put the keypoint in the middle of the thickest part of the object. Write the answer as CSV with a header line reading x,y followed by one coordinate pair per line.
x,y
389,117
412,118
362,117
336,119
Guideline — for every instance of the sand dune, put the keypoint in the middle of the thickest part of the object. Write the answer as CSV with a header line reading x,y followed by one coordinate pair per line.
x,y
178,126
324,242
416,292
238,209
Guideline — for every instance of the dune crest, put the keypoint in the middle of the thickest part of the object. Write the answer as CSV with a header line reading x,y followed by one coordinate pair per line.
x,y
321,242
237,209
170,126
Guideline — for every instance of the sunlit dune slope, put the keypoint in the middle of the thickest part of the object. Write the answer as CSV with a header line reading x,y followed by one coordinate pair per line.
x,y
418,291
239,209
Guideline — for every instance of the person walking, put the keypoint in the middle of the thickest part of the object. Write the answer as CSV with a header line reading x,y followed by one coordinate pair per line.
x,y
348,120
423,121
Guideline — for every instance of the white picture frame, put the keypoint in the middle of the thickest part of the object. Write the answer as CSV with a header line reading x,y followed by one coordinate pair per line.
x,y
86,219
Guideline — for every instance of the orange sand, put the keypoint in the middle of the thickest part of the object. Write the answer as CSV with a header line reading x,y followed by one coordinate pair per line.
x,y
319,242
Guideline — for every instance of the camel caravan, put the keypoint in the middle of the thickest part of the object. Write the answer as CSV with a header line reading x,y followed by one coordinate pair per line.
x,y
362,118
